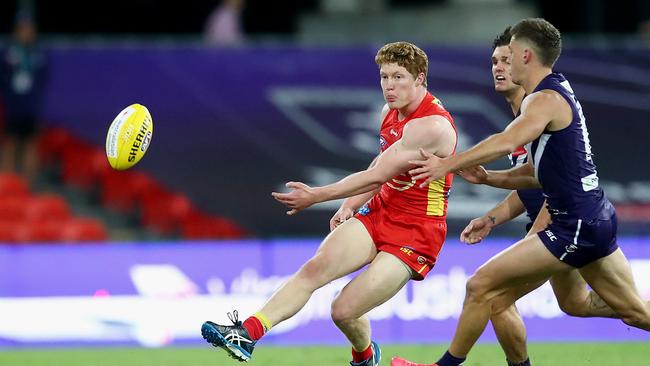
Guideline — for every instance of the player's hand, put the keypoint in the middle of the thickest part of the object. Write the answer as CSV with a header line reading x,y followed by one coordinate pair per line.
x,y
476,174
300,197
340,217
477,230
429,168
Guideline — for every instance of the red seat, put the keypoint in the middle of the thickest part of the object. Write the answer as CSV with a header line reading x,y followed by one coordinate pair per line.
x,y
211,227
164,212
49,207
123,190
13,185
51,144
84,166
13,208
84,230
41,230
9,232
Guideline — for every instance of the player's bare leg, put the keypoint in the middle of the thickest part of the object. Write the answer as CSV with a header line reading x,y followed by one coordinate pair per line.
x,y
611,278
507,322
385,276
576,299
345,250
494,278
511,333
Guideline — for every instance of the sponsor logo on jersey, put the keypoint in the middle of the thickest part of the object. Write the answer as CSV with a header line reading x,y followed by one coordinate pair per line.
x,y
550,235
382,141
437,101
520,151
400,185
364,210
407,250
571,248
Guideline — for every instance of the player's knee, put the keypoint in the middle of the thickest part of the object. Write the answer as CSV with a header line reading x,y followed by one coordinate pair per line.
x,y
313,271
476,288
573,307
342,311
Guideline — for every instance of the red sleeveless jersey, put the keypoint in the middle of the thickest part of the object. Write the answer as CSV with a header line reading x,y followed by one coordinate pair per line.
x,y
402,193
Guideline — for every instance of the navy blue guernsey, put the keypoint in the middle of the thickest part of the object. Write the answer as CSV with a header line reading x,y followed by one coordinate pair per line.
x,y
533,199
563,163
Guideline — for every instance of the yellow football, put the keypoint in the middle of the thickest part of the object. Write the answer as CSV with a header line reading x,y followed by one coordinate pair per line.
x,y
129,137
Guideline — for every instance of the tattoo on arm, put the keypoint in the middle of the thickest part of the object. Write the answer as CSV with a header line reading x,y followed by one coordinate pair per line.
x,y
493,219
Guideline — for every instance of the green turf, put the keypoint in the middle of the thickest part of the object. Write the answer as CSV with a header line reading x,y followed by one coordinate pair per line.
x,y
542,354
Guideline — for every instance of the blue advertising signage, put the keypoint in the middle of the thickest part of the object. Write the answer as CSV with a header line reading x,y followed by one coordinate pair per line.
x,y
159,294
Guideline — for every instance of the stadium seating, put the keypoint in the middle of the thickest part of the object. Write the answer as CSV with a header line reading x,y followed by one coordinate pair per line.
x,y
131,193
47,217
83,166
84,230
201,227
12,185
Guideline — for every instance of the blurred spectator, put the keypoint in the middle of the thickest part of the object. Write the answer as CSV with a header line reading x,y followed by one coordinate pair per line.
x,y
644,31
22,78
223,26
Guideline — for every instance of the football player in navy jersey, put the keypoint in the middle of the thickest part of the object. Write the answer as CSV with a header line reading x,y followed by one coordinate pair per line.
x,y
574,298
582,232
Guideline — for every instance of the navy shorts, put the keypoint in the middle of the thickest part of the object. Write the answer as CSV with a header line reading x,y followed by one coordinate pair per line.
x,y
577,242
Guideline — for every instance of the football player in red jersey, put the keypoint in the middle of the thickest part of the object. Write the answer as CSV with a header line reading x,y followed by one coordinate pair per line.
x,y
398,229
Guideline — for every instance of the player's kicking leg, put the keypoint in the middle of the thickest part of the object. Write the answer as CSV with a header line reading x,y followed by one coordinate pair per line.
x,y
576,299
343,251
611,277
501,273
385,276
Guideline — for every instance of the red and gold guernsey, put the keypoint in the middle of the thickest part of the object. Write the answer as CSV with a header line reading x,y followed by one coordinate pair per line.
x,y
403,219
402,193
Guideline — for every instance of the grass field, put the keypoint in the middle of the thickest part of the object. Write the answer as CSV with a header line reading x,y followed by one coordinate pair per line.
x,y
542,354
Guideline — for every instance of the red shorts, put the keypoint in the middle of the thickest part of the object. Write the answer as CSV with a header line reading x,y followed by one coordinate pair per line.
x,y
415,240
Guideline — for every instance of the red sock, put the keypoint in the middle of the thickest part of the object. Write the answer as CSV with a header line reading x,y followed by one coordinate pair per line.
x,y
361,356
254,328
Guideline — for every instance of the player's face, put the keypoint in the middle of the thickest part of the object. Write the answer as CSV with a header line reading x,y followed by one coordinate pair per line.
x,y
517,67
501,70
398,85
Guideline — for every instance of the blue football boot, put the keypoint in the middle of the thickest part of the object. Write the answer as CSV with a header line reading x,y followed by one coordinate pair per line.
x,y
234,339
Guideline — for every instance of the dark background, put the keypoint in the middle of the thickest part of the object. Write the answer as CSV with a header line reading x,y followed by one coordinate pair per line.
x,y
280,17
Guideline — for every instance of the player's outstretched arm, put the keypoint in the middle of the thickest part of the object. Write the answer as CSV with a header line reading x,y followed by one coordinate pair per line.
x,y
537,111
351,204
506,210
521,177
433,133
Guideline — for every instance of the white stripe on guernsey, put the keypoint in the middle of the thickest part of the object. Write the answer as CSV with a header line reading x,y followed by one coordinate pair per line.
x,y
575,238
543,139
575,241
